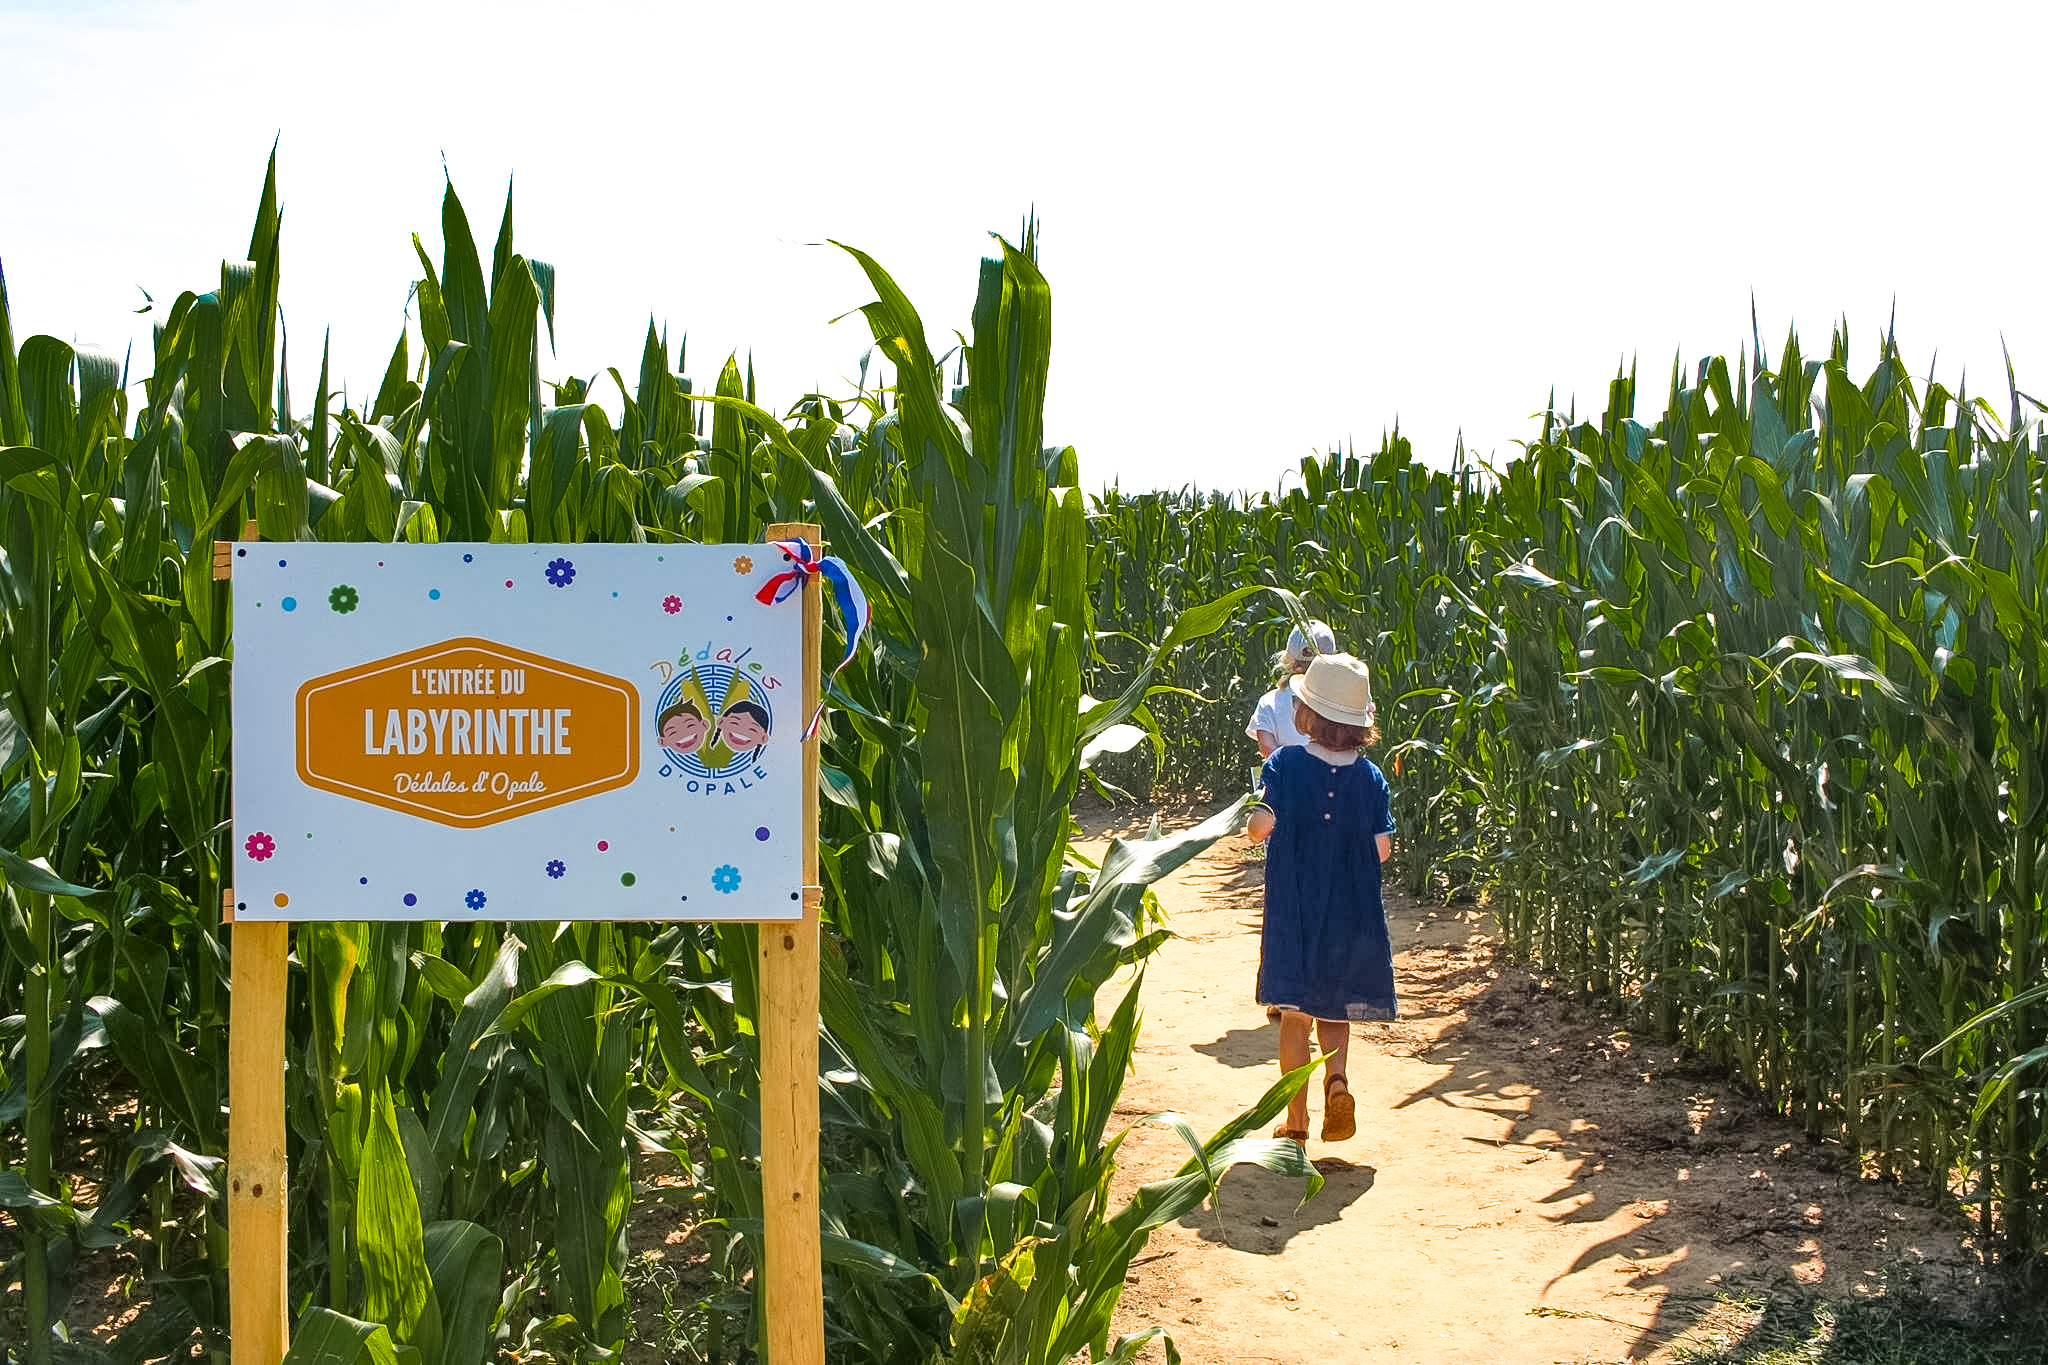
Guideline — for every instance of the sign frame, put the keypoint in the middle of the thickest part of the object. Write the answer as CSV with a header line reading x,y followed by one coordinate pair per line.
x,y
791,1284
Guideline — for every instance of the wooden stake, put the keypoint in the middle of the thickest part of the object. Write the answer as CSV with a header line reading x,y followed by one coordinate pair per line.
x,y
259,1304
793,1280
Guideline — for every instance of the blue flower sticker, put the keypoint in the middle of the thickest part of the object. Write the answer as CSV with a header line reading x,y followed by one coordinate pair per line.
x,y
561,573
474,900
556,868
726,879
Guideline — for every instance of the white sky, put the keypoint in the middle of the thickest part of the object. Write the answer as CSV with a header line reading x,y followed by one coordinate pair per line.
x,y
1268,228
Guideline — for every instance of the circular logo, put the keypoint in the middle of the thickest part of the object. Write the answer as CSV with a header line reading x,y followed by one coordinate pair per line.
x,y
712,721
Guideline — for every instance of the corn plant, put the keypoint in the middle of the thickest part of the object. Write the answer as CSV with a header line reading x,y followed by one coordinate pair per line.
x,y
464,1101
969,1212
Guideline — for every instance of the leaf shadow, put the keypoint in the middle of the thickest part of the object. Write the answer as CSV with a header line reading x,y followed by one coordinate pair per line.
x,y
1244,1047
1260,1212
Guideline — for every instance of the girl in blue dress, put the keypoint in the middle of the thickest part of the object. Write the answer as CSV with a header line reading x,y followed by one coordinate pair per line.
x,y
1324,954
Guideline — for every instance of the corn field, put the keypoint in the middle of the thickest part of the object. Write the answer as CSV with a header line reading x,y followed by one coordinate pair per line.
x,y
1735,717
468,1103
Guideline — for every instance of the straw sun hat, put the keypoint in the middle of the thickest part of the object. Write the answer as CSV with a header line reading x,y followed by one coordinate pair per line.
x,y
1336,687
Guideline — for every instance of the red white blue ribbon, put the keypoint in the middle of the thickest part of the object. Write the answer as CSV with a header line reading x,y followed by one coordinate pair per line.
x,y
806,563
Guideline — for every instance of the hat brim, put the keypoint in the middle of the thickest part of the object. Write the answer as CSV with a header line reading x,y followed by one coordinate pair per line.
x,y
1324,707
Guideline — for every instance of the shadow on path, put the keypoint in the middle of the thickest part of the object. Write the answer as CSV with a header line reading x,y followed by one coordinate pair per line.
x,y
1695,1196
1260,1212
1243,1047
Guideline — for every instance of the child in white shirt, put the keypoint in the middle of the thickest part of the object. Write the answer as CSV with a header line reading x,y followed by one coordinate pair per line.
x,y
1272,722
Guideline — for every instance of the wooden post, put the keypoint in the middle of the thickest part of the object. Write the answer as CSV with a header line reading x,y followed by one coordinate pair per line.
x,y
259,1305
793,1280
258,1301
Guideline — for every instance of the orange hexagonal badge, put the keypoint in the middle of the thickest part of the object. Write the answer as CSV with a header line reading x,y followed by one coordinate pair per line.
x,y
467,732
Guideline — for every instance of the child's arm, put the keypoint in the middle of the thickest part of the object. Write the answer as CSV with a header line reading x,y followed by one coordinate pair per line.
x,y
1263,818
1264,728
1384,833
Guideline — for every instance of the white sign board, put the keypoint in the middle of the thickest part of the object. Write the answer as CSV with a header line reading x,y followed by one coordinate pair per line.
x,y
513,732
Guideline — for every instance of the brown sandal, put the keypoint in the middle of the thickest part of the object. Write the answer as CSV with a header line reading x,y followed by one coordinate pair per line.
x,y
1299,1136
1340,1111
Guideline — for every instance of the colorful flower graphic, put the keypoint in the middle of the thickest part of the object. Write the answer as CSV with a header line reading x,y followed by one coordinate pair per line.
x,y
556,867
259,846
671,604
726,879
474,900
744,564
343,598
560,573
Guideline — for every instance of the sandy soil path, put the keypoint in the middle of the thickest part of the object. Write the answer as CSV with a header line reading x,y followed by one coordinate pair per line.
x,y
1529,1183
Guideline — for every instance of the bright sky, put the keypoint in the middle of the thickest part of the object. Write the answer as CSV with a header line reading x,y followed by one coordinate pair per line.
x,y
1268,228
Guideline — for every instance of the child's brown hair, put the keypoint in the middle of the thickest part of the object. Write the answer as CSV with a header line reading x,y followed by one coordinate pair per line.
x,y
682,707
1333,735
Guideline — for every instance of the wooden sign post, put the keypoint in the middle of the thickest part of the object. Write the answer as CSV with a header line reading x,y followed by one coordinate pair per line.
x,y
791,1281
258,1303
794,1277
259,1300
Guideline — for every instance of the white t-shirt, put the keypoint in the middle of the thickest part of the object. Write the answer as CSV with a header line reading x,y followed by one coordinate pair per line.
x,y
1275,715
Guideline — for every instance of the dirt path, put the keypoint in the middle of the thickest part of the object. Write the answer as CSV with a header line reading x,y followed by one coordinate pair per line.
x,y
1528,1183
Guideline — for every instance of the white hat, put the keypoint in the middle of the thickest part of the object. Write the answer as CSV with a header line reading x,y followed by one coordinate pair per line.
x,y
1336,687
1320,639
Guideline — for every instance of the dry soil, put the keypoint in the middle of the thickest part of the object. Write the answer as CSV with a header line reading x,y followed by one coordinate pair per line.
x,y
1530,1182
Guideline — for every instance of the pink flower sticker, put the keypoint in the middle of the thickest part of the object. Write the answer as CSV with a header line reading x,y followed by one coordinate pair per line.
x,y
259,846
671,604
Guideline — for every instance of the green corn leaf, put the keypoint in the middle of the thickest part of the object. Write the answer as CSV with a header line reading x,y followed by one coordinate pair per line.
x,y
325,1337
397,1285
34,874
466,1263
1075,962
13,419
466,1069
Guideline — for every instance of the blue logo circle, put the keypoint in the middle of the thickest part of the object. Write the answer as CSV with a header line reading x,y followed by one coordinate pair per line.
x,y
717,681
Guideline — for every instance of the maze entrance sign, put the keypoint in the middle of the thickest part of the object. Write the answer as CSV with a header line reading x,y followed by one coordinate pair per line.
x,y
524,732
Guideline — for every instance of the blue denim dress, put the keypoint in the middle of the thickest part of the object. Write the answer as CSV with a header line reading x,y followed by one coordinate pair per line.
x,y
1324,949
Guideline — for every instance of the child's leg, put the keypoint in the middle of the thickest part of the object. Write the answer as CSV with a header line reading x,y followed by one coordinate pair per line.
x,y
1294,1056
1339,1113
1334,1035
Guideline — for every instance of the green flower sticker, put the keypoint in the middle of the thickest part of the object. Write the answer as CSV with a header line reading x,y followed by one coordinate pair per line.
x,y
343,598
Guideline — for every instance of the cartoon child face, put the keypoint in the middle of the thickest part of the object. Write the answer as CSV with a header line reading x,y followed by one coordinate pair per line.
x,y
682,732
742,728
